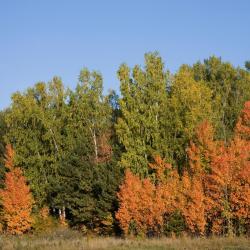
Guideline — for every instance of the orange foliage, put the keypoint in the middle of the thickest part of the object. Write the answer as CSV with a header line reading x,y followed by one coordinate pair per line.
x,y
192,204
194,189
243,124
138,205
239,161
222,176
212,196
143,204
227,184
201,152
16,198
167,184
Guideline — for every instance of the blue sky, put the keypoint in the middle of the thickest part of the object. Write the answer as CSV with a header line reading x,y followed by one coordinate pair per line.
x,y
41,39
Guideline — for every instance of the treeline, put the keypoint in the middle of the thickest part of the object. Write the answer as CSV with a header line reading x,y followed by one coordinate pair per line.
x,y
169,155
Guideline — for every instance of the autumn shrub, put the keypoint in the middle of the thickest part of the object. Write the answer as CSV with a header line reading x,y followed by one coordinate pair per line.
x,y
143,204
138,213
16,198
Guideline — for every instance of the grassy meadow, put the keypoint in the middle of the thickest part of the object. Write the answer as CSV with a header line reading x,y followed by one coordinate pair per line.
x,y
72,240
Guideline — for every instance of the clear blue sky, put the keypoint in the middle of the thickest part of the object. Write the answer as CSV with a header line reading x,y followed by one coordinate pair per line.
x,y
40,39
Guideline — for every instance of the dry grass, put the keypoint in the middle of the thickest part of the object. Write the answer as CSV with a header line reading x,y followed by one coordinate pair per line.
x,y
70,240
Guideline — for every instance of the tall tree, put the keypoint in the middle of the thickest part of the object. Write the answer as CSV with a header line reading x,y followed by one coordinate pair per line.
x,y
189,105
230,90
36,128
85,190
90,111
142,106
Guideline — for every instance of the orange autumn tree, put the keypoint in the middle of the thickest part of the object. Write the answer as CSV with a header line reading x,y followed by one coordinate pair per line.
x,y
240,147
228,187
228,182
192,204
144,204
193,197
220,174
207,185
16,197
167,183
217,183
137,213
239,199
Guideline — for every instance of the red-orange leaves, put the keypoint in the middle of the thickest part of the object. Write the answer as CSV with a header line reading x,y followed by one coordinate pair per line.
x,y
144,204
212,195
139,211
161,168
192,204
16,198
202,150
200,153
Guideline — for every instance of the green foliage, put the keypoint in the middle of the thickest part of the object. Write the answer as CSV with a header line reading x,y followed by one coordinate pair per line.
x,y
73,145
159,113
174,224
190,103
87,191
36,129
230,90
142,107
59,141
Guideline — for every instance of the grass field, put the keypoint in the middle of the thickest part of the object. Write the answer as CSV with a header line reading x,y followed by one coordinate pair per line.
x,y
70,240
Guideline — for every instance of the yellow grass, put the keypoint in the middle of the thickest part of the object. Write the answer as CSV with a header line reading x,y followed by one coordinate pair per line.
x,y
70,240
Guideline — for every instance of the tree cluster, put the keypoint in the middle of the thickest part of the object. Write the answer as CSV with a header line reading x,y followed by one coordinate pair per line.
x,y
169,154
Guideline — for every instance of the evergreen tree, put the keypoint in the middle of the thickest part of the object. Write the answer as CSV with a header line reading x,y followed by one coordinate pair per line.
x,y
86,190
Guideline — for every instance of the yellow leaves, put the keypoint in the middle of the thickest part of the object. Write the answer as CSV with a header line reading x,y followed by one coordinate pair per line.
x,y
193,99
